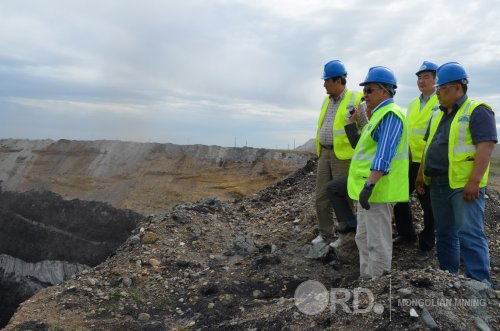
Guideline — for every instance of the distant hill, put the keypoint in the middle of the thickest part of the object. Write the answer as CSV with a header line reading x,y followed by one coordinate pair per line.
x,y
309,146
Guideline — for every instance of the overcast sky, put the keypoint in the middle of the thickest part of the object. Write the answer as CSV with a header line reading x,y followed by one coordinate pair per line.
x,y
220,72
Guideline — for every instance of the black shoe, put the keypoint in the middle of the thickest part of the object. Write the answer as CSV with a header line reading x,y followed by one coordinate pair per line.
x,y
423,256
346,230
401,240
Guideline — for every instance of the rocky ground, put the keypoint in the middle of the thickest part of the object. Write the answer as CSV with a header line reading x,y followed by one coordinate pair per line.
x,y
240,265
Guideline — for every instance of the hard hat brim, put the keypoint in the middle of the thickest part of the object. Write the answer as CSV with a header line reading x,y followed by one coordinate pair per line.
x,y
434,71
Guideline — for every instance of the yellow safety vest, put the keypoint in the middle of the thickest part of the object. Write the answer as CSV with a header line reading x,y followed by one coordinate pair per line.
x,y
418,120
461,149
341,146
392,187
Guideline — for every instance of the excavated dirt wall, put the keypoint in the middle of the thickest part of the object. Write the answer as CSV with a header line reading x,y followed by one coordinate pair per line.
x,y
48,236
45,239
145,177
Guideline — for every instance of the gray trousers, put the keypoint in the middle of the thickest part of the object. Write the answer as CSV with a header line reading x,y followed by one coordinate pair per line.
x,y
374,239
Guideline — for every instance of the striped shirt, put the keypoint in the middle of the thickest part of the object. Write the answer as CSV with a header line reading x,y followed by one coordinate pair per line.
x,y
326,133
387,135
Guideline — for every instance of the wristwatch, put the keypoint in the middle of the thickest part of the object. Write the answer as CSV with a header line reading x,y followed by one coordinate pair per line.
x,y
369,186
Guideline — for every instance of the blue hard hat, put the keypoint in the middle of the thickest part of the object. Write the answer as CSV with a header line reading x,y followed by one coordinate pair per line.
x,y
427,66
334,68
380,74
450,72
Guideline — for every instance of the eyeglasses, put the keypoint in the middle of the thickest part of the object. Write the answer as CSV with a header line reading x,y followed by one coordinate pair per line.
x,y
369,90
443,87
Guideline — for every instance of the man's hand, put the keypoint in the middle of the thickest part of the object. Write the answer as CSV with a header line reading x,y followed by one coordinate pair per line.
x,y
471,190
483,156
419,183
353,115
365,195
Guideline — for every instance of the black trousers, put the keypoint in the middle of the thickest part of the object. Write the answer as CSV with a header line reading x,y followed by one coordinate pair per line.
x,y
339,199
403,216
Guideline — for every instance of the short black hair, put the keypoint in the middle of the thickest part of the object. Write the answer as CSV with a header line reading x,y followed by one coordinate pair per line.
x,y
464,87
343,80
431,71
463,83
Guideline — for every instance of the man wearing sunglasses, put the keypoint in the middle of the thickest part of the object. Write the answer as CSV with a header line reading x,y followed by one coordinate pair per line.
x,y
419,112
460,140
378,174
332,146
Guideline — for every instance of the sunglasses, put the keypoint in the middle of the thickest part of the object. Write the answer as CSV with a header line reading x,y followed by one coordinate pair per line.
x,y
369,90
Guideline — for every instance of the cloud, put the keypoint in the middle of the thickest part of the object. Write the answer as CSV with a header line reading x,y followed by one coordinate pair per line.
x,y
209,70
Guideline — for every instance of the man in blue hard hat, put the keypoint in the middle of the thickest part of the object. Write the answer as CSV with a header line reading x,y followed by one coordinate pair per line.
x,y
460,140
332,146
378,172
420,110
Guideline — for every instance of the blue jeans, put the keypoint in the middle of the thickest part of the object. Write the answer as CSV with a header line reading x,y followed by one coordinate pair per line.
x,y
459,226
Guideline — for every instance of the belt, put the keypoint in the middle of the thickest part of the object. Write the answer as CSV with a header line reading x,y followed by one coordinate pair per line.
x,y
436,174
326,147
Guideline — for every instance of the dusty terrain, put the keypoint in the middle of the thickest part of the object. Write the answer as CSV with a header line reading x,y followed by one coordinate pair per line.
x,y
236,265
144,177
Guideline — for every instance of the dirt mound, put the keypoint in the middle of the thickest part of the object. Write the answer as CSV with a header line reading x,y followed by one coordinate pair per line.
x,y
239,266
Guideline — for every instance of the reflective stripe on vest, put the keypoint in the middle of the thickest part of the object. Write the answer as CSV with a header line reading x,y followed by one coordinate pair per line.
x,y
341,146
461,149
392,187
418,120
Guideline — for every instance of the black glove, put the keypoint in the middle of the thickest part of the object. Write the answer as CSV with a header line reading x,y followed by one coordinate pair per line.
x,y
365,195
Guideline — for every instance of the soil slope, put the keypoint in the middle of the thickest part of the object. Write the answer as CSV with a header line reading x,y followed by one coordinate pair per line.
x,y
213,265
